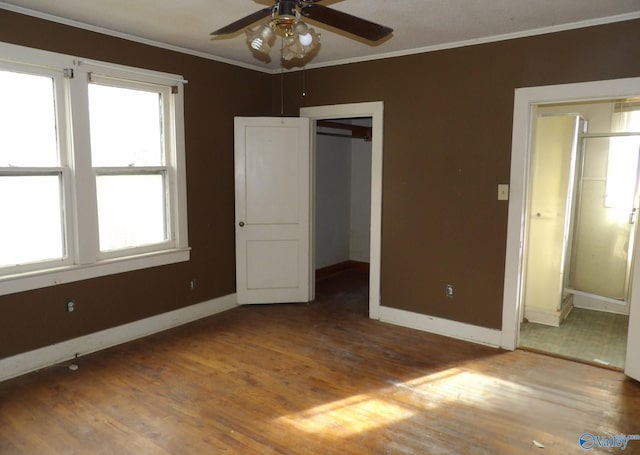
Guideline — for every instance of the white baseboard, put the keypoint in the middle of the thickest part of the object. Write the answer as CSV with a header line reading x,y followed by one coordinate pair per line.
x,y
453,329
50,355
587,303
550,317
542,316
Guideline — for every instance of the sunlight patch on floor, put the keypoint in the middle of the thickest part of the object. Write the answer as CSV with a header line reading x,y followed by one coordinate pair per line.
x,y
364,412
347,417
465,387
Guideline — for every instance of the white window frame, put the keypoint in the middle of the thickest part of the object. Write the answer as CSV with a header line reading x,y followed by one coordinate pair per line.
x,y
62,169
167,169
84,260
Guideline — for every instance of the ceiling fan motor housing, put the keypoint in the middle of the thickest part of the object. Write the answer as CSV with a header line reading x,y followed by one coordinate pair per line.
x,y
285,11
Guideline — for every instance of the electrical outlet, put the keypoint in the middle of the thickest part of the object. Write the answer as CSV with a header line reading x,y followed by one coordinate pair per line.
x,y
192,284
449,290
71,306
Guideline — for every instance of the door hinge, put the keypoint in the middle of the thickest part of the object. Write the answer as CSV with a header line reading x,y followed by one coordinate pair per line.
x,y
68,73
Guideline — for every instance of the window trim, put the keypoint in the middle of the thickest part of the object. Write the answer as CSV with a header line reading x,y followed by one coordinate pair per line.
x,y
72,97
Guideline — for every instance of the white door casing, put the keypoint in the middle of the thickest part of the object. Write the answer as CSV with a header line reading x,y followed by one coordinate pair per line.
x,y
525,100
272,182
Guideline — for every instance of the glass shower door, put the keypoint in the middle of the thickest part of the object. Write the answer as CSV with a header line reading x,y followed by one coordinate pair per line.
x,y
605,217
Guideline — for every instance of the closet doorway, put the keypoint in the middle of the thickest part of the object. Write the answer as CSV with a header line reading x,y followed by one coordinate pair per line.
x,y
356,112
342,222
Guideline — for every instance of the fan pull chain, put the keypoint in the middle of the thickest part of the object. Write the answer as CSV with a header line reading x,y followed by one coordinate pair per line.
x,y
304,85
281,93
281,83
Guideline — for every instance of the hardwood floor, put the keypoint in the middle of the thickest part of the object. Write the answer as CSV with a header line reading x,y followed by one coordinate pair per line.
x,y
318,378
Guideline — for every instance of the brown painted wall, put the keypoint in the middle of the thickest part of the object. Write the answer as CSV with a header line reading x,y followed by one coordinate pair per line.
x,y
447,141
447,145
214,95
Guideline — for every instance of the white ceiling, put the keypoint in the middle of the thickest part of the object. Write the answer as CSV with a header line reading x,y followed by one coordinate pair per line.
x,y
419,25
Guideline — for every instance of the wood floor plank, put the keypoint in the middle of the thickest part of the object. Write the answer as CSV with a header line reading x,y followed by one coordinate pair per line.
x,y
317,378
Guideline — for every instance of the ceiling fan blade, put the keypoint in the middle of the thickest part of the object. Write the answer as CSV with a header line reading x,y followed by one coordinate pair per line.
x,y
242,23
343,21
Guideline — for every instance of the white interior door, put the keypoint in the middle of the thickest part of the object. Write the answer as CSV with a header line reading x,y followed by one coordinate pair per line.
x,y
272,182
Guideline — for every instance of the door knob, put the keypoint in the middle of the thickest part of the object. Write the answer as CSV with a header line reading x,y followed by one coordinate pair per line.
x,y
241,223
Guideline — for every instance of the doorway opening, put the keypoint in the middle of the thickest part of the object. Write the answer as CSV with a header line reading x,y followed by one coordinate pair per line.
x,y
342,221
356,111
580,229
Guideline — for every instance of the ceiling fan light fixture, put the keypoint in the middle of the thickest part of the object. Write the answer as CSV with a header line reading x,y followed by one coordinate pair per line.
x,y
301,43
303,33
288,53
260,39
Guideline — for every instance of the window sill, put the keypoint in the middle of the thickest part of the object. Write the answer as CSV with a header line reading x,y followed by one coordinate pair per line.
x,y
12,284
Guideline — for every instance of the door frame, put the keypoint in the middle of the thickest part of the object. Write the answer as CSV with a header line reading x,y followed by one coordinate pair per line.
x,y
525,101
375,110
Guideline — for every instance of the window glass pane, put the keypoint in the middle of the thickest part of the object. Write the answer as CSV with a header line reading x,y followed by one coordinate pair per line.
x,y
627,121
622,167
126,127
31,227
131,210
27,121
626,116
633,121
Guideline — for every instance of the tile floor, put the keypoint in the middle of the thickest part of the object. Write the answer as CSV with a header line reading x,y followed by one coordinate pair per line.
x,y
589,335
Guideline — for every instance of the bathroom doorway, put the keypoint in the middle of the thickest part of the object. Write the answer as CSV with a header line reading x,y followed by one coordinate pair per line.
x,y
580,229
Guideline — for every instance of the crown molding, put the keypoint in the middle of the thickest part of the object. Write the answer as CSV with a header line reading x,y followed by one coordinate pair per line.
x,y
127,36
483,40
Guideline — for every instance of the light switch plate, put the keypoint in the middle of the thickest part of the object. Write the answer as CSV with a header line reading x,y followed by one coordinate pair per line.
x,y
503,192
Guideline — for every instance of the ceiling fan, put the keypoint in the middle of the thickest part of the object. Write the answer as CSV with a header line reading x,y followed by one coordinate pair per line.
x,y
299,40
